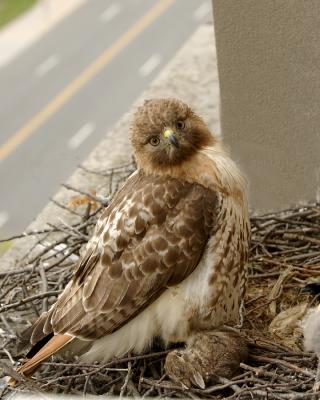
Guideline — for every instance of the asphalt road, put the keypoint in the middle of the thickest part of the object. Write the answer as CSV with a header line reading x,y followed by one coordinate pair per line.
x,y
59,98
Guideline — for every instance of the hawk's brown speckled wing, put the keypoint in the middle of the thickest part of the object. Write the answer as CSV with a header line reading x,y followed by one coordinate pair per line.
x,y
152,235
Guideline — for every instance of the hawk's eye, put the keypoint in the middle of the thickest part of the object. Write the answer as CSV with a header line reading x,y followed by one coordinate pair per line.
x,y
180,124
154,141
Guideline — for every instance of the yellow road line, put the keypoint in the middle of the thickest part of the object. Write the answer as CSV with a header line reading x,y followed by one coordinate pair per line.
x,y
85,76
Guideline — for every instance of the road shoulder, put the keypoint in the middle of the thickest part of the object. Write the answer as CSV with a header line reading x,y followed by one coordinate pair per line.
x,y
32,25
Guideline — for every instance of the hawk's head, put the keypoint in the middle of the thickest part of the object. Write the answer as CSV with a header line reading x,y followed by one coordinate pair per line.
x,y
166,132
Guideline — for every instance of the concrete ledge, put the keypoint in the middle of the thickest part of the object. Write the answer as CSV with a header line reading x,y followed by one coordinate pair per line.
x,y
191,75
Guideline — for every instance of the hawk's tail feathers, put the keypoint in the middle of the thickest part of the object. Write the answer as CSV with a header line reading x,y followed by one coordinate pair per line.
x,y
51,347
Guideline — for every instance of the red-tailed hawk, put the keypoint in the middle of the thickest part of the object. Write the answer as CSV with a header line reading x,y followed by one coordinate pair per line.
x,y
167,257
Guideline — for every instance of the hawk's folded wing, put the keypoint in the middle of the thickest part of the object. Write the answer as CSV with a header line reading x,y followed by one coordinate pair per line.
x,y
152,235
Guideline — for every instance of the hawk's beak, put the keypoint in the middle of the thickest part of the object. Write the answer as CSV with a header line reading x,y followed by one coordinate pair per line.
x,y
168,133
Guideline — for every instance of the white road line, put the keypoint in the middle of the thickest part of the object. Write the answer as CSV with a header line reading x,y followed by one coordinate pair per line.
x,y
4,217
47,65
82,134
110,12
150,65
202,11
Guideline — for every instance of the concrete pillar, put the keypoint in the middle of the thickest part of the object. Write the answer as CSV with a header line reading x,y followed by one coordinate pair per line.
x,y
268,55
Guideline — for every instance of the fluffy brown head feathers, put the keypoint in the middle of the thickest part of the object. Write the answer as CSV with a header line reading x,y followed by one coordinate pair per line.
x,y
166,132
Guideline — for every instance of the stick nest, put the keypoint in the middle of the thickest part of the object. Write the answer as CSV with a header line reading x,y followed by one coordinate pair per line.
x,y
285,254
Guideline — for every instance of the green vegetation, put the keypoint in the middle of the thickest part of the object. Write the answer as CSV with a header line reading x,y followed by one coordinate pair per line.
x,y
10,9
4,247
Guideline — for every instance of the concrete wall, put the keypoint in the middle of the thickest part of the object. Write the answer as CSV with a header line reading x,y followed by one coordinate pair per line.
x,y
269,70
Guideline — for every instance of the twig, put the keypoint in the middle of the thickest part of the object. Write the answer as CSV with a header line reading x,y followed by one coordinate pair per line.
x,y
29,299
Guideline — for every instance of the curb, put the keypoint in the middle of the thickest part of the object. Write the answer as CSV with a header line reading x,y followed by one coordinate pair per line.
x,y
26,29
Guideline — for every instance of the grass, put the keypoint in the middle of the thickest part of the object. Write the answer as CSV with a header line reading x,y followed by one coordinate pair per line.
x,y
10,9
4,247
